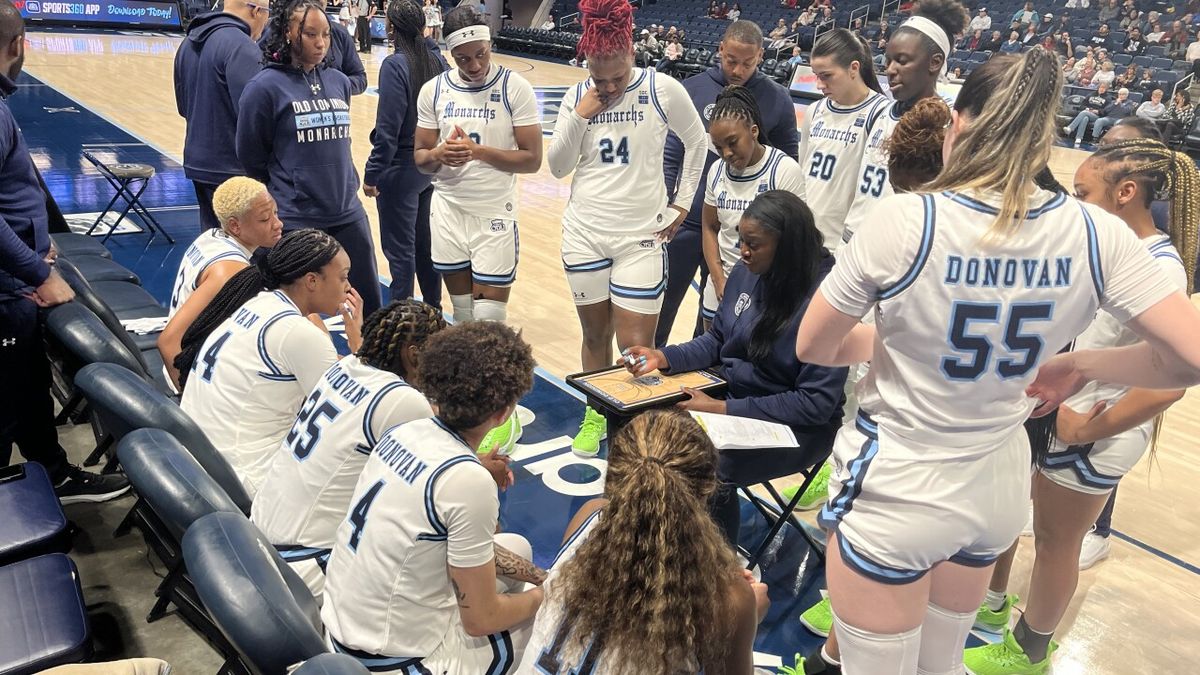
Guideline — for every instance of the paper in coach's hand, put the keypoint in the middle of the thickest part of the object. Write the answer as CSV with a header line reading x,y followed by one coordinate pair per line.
x,y
744,433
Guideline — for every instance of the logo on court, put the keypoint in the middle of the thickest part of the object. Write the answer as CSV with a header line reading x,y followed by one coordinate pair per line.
x,y
498,225
742,305
708,110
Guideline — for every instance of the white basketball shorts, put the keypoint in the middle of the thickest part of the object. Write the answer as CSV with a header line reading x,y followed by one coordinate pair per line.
x,y
631,270
896,516
459,241
1096,468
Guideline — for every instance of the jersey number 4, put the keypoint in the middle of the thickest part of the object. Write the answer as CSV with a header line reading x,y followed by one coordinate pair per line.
x,y
550,660
822,166
1024,348
611,154
306,430
358,514
209,360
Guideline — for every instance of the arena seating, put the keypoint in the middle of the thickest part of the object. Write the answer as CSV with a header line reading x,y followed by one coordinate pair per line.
x,y
43,614
34,523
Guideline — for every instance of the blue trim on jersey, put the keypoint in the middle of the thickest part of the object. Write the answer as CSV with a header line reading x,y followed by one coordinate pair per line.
x,y
873,118
273,371
449,268
636,83
923,250
437,92
457,436
775,169
377,663
884,574
832,107
974,204
637,293
771,153
294,554
371,407
430,513
487,85
574,536
717,168
654,97
589,266
504,94
836,509
1094,263
973,559
502,653
1170,256
494,279
1161,244
1076,457
215,259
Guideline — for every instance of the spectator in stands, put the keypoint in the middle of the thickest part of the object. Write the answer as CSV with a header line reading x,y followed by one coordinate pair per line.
x,y
1106,74
669,63
1179,116
1109,11
736,12
1026,16
994,42
1154,109
981,21
1068,70
1049,44
1063,44
1084,71
1128,78
712,9
826,20
1046,26
549,23
1156,35
1072,4
1061,25
806,18
1132,19
1012,45
645,51
723,11
1177,46
1147,83
1135,45
797,57
1101,55
973,41
1030,37
956,76
1102,38
1114,112
779,32
1094,105
1193,52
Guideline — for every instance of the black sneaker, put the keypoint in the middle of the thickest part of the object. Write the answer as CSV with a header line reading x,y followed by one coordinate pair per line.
x,y
84,486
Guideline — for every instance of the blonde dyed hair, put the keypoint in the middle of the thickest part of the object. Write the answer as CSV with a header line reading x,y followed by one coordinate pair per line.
x,y
1012,102
649,588
232,199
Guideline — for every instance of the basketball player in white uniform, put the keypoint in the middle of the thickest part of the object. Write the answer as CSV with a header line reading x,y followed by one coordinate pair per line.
x,y
306,492
833,132
249,221
412,581
932,478
478,125
611,131
254,369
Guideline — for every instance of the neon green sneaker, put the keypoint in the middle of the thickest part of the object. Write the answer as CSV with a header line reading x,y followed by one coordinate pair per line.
x,y
818,619
995,622
797,667
817,492
504,437
1005,658
593,430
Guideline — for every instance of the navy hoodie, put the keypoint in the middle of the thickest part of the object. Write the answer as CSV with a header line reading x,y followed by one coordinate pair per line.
x,y
297,141
24,233
778,389
342,55
778,114
212,67
396,119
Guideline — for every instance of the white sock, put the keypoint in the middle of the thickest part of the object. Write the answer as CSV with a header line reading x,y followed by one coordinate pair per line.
x,y
943,636
463,308
490,310
995,600
867,653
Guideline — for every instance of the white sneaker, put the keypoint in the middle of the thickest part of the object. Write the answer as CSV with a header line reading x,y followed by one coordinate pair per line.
x,y
1027,531
1095,548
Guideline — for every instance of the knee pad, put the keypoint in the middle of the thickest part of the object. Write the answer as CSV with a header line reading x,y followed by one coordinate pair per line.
x,y
463,308
866,653
943,638
490,310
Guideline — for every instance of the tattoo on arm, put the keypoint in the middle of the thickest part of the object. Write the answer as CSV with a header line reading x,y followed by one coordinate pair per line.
x,y
513,566
460,596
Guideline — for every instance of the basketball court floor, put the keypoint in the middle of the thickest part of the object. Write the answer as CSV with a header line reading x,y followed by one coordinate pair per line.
x,y
111,94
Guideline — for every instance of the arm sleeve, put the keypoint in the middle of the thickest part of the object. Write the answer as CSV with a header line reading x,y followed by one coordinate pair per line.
x,y
683,119
871,263
16,257
398,405
802,155
813,401
426,113
243,64
466,501
785,136
1133,282
672,159
393,108
255,139
352,65
525,109
301,349
569,129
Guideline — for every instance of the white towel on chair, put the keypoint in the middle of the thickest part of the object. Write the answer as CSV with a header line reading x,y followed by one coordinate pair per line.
x,y
154,324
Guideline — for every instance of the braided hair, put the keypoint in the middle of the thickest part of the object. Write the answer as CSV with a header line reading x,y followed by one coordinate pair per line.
x,y
298,253
277,48
607,28
407,19
387,331
738,103
1161,174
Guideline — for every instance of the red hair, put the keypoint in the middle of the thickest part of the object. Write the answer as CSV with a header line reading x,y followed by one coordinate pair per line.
x,y
607,27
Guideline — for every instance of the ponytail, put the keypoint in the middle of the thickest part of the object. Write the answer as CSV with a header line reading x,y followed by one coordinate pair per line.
x,y
846,47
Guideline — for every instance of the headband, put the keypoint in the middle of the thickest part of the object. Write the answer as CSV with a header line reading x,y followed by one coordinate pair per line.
x,y
932,31
468,34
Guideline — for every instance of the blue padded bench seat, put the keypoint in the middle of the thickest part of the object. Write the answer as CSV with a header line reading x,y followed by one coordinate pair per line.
x,y
43,620
76,245
32,522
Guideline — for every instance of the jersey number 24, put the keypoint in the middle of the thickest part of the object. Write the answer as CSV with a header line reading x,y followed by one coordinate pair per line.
x,y
611,153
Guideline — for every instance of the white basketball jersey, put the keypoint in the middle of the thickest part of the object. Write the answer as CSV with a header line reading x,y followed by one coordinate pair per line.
x,y
211,246
545,654
730,193
1106,331
962,322
251,377
306,492
487,113
832,140
423,503
618,184
873,183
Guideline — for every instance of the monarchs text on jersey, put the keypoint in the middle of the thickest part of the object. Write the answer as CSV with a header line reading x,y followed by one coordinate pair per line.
x,y
730,193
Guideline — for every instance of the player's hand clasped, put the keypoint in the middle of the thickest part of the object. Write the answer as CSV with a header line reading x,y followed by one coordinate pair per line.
x,y
456,150
497,465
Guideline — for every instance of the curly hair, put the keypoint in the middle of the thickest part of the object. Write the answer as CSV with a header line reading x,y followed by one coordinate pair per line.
x,y
474,370
607,28
277,48
232,199
389,330
649,587
915,146
738,102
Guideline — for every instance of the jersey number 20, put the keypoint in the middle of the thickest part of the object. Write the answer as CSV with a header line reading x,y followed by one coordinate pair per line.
x,y
977,349
822,166
611,154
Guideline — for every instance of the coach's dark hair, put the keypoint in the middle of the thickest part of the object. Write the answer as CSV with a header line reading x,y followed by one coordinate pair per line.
x,y
388,331
793,274
737,102
298,253
408,30
845,47
1145,128
277,48
460,17
1010,103
473,370
745,32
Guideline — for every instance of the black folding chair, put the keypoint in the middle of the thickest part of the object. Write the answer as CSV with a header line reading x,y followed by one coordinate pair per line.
x,y
779,512
130,181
